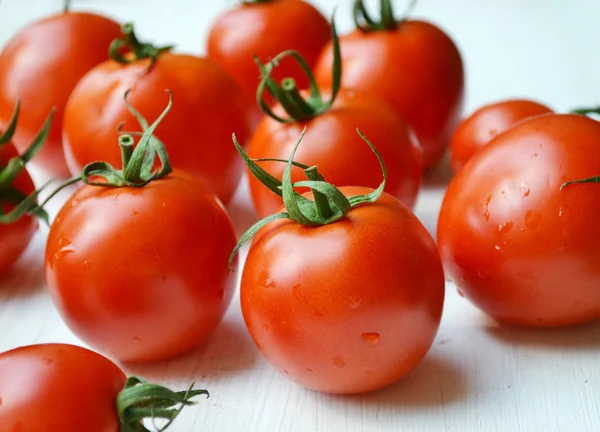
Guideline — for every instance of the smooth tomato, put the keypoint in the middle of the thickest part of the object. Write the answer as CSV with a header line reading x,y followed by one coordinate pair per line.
x,y
141,273
347,307
331,143
209,107
477,130
265,29
518,247
40,66
416,68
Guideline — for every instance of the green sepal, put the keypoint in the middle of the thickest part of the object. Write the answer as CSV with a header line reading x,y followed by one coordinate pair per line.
x,y
140,50
365,22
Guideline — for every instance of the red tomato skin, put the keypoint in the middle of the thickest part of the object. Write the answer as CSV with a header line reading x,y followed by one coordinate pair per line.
x,y
416,68
265,30
42,75
343,158
142,274
348,307
207,108
477,130
520,249
58,387
15,237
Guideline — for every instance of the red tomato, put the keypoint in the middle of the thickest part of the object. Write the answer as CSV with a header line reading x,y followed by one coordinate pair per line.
x,y
332,144
416,68
265,29
518,247
15,237
208,108
479,128
40,66
141,273
347,307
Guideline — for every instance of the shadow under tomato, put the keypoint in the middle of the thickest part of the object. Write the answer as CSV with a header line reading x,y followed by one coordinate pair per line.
x,y
583,336
25,277
439,175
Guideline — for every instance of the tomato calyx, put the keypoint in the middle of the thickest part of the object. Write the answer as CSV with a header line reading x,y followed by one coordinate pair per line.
x,y
66,6
287,94
329,205
366,23
134,49
8,194
586,111
140,400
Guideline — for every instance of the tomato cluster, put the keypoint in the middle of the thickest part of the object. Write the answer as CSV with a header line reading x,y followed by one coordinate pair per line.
x,y
343,287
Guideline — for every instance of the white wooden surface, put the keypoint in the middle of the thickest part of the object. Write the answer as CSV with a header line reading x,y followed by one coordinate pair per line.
x,y
479,376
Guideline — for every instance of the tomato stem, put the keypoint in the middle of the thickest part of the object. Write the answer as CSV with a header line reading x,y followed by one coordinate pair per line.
x,y
131,44
321,202
66,6
366,23
586,111
126,143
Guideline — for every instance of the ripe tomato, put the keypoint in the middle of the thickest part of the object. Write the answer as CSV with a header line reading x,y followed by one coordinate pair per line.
x,y
415,67
43,74
209,107
266,28
58,387
332,144
479,128
520,248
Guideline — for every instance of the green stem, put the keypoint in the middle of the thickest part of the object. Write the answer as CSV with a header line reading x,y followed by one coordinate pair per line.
x,y
126,143
321,201
366,23
586,111
140,50
296,106
388,22
66,6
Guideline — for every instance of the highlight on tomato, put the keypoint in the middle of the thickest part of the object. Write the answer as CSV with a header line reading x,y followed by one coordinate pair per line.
x,y
59,50
330,142
265,28
477,130
210,106
519,240
67,388
19,210
411,64
342,293
136,260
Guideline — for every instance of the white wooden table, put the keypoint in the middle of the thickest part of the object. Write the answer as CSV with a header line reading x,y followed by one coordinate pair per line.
x,y
479,376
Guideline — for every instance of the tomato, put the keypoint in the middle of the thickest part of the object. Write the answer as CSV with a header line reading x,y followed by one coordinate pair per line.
x,y
266,28
59,387
415,67
347,307
520,248
479,128
332,144
43,74
209,107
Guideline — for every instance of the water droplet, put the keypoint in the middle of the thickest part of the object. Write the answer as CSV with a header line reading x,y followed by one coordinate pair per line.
x,y
115,195
339,362
525,190
86,266
219,295
354,303
74,202
564,213
497,247
562,246
47,360
265,326
298,295
164,204
134,212
532,219
269,283
486,208
286,372
309,370
318,314
533,156
482,274
65,247
371,339
157,254
505,227
540,147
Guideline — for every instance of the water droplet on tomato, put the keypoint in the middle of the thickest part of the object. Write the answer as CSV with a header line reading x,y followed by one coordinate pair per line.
x,y
371,339
164,204
286,372
533,156
505,227
525,190
562,246
86,266
269,283
482,274
497,247
157,254
354,303
309,370
564,213
486,208
134,212
219,295
532,219
298,295
64,248
339,362
318,314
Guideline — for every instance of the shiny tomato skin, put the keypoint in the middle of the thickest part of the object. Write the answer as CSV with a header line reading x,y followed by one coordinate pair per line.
x,y
58,387
43,74
518,247
348,307
416,68
343,158
207,108
141,274
479,128
15,237
265,30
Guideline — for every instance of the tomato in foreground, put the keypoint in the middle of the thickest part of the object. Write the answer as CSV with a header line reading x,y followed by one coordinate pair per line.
x,y
137,264
40,65
209,107
413,65
477,130
520,248
342,299
66,388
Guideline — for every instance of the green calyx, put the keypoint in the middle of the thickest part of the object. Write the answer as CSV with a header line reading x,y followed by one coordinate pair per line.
x,y
66,6
133,48
366,23
288,95
9,194
139,400
586,111
329,205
